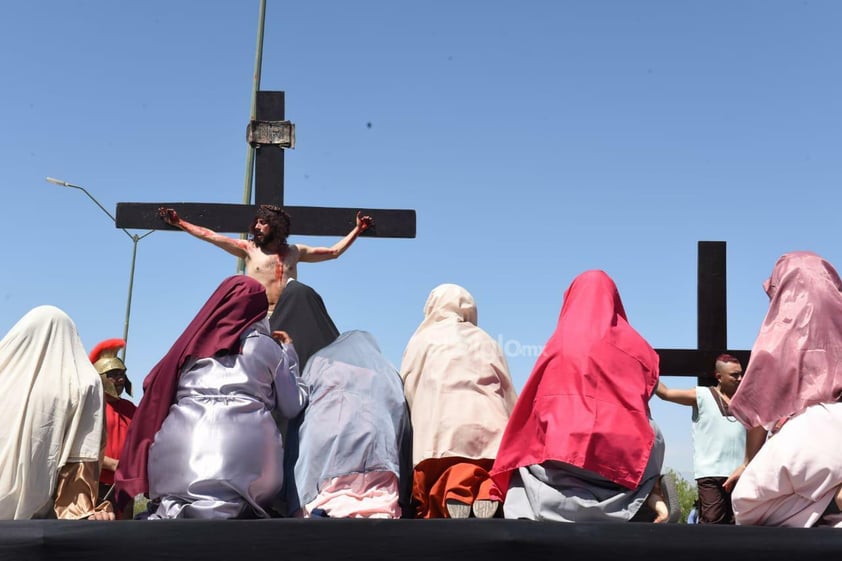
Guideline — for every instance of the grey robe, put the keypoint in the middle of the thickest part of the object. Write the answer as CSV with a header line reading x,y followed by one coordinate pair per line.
x,y
219,453
357,420
564,493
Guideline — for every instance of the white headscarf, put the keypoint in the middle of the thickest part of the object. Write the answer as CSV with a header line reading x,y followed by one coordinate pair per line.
x,y
51,410
456,380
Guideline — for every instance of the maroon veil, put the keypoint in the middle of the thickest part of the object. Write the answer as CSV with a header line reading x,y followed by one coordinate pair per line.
x,y
236,304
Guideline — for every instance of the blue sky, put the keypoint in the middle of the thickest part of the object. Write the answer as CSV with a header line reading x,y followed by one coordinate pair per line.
x,y
535,140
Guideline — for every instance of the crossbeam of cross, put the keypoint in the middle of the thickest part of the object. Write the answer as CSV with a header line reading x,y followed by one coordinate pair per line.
x,y
269,189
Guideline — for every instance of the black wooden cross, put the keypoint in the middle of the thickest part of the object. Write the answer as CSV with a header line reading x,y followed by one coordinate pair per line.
x,y
269,189
712,322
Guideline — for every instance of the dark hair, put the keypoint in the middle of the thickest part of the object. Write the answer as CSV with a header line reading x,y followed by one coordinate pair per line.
x,y
276,218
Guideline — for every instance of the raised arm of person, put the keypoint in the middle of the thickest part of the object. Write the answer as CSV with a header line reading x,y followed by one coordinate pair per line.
x,y
682,397
309,254
235,247
292,393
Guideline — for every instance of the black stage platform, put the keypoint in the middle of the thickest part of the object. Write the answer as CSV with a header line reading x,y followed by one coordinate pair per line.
x,y
401,540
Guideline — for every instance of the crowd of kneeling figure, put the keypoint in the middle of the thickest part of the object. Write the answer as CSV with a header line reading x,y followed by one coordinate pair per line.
x,y
240,421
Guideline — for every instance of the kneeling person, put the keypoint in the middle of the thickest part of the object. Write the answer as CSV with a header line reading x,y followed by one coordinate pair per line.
x,y
204,443
581,445
355,438
460,394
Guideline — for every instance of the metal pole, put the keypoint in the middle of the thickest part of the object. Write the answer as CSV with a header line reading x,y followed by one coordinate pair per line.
x,y
129,299
134,237
258,65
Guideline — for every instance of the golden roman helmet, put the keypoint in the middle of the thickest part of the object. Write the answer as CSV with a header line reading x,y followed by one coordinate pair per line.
x,y
104,358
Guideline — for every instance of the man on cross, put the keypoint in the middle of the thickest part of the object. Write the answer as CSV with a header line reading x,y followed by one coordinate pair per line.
x,y
268,257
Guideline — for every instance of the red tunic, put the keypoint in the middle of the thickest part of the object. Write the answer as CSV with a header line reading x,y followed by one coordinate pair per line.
x,y
118,416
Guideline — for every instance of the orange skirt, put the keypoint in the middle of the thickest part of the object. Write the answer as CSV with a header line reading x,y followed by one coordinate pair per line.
x,y
436,480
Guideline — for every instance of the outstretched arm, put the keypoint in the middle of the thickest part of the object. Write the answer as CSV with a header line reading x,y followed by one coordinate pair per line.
x,y
309,254
233,246
682,397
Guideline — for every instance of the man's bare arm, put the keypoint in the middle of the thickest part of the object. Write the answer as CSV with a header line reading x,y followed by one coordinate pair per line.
x,y
309,254
233,246
682,397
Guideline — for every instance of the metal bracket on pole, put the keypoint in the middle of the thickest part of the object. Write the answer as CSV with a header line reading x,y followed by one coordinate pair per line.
x,y
278,133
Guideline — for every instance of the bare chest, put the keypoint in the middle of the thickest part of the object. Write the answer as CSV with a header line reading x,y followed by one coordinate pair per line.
x,y
271,269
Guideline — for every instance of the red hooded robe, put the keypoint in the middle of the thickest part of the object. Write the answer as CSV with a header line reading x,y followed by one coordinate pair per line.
x,y
586,402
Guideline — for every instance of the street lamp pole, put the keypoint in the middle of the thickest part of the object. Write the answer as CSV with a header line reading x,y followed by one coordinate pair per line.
x,y
134,237
255,87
